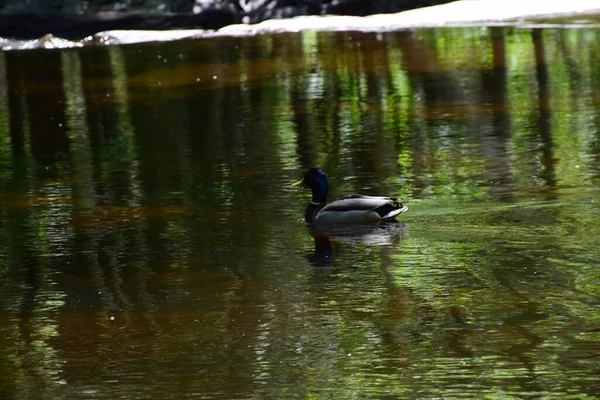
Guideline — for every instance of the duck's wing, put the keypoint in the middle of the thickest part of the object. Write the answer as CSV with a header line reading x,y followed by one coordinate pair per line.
x,y
357,202
360,208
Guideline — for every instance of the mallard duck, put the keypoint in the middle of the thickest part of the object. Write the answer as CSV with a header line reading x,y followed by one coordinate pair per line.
x,y
351,209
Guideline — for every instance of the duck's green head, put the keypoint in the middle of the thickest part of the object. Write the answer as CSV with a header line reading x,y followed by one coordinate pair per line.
x,y
316,180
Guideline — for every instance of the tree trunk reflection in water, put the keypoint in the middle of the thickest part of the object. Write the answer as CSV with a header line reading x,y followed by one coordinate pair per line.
x,y
496,141
544,112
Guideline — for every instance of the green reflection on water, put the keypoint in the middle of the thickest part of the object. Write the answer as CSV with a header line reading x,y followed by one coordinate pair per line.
x,y
151,246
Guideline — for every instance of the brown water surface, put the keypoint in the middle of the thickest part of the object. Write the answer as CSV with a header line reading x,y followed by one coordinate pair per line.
x,y
151,245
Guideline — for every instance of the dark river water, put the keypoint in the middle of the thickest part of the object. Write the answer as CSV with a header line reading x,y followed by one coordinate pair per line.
x,y
151,246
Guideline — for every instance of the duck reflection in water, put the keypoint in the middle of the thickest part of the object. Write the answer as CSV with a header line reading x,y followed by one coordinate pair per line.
x,y
321,256
387,234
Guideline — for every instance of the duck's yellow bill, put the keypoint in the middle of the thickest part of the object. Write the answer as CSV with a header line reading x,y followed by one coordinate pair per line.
x,y
299,183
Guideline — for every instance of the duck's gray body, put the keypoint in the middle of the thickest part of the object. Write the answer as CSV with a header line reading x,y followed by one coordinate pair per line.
x,y
358,209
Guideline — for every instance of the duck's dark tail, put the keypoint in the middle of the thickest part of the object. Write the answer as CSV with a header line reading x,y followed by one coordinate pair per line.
x,y
390,210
